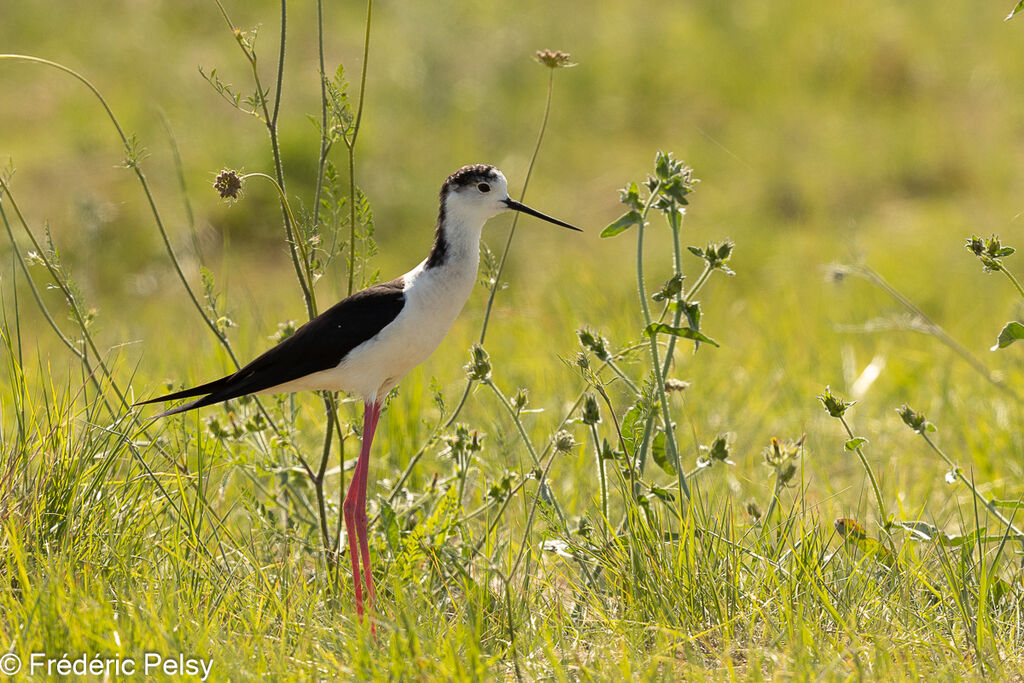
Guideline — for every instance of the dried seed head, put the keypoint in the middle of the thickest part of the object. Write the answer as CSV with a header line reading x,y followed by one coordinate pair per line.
x,y
673,385
554,59
564,441
228,184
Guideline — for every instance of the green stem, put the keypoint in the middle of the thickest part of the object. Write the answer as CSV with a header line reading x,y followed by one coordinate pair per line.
x,y
602,476
670,440
883,515
529,445
146,190
931,327
350,143
1016,283
993,510
496,283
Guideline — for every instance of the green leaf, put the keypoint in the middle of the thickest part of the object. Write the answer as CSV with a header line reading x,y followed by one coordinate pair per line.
x,y
856,442
686,332
625,222
633,426
630,196
696,251
1010,333
661,166
660,454
1012,504
1018,8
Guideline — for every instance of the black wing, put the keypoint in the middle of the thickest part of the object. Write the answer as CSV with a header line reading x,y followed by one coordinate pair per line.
x,y
318,345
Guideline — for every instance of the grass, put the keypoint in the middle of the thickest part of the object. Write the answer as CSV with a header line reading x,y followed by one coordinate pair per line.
x,y
873,135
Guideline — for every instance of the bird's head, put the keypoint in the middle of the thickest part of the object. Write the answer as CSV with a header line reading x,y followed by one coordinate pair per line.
x,y
478,192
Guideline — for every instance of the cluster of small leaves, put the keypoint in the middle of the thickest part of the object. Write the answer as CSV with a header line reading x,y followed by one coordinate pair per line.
x,y
478,369
672,288
716,452
666,191
781,456
134,153
914,420
835,406
234,431
247,104
499,491
989,252
221,321
595,343
340,117
490,268
53,261
716,255
463,442
284,330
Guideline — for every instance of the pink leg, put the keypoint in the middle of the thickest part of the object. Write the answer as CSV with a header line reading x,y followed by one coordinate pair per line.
x,y
354,508
364,546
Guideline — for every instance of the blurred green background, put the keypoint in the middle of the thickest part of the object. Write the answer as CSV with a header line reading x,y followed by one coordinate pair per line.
x,y
875,131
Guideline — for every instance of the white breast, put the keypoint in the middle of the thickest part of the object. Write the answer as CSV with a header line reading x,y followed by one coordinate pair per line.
x,y
434,297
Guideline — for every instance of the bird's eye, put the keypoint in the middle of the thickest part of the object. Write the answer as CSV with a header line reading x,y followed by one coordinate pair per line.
x,y
484,187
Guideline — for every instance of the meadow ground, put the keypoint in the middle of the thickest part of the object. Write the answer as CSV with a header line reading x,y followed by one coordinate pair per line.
x,y
873,136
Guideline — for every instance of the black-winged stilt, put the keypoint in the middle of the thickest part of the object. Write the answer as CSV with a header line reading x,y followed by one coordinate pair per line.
x,y
368,342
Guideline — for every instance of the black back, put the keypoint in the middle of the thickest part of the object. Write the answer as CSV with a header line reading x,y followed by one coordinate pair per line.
x,y
320,344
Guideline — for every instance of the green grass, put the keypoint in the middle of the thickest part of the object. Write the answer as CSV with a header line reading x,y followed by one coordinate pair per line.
x,y
822,133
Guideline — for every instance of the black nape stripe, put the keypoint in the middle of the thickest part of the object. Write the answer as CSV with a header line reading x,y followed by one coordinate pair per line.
x,y
464,177
439,252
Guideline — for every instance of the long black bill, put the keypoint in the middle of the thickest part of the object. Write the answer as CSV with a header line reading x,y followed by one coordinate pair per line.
x,y
523,208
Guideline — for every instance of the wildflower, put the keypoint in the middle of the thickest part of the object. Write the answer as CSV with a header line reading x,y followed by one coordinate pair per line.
x,y
228,184
554,59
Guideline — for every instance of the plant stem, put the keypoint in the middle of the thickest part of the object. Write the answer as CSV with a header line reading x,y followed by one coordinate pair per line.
x,y
602,476
496,283
1016,283
930,326
529,447
992,509
670,439
883,515
350,143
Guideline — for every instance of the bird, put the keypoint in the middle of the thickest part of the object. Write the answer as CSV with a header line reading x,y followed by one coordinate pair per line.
x,y
366,343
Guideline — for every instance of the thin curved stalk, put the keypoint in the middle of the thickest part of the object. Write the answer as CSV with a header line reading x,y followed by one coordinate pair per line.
x,y
508,243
